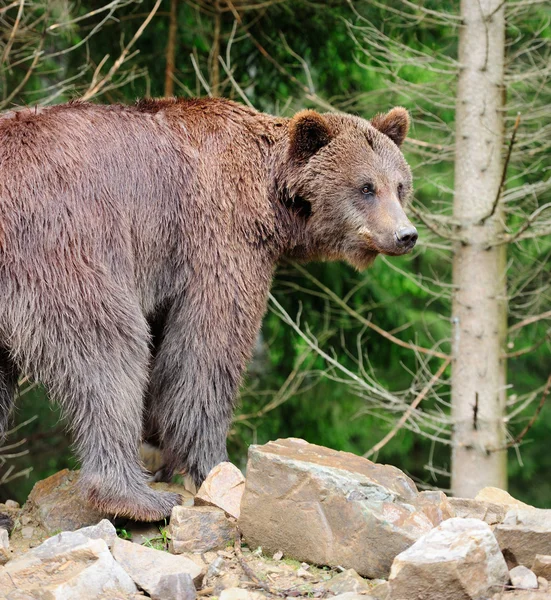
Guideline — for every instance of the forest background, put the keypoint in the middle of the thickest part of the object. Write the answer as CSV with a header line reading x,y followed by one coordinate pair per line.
x,y
342,354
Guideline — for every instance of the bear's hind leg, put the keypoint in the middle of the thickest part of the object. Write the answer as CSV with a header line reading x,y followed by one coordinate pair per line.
x,y
90,349
8,386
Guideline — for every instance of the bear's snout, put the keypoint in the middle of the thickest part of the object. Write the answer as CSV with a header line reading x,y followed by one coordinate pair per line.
x,y
406,237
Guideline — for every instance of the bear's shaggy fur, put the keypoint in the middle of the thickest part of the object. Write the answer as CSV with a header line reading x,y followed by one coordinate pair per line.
x,y
137,246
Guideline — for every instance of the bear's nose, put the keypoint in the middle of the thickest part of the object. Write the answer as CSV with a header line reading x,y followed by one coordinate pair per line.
x,y
407,236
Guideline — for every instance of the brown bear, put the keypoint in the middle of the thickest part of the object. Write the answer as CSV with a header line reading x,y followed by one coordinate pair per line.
x,y
137,247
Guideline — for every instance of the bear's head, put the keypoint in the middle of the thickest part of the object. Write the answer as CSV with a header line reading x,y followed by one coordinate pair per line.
x,y
350,182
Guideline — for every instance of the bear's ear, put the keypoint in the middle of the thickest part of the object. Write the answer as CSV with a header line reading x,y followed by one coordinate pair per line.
x,y
308,133
394,124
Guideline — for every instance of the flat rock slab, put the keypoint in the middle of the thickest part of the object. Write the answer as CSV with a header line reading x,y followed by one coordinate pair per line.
x,y
68,566
458,560
330,508
146,566
199,529
223,487
523,534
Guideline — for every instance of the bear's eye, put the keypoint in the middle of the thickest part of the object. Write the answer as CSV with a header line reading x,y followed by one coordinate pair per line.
x,y
368,189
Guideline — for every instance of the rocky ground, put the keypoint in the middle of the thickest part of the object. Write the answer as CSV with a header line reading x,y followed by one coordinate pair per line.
x,y
307,522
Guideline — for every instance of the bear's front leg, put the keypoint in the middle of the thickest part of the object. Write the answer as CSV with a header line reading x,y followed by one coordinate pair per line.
x,y
207,340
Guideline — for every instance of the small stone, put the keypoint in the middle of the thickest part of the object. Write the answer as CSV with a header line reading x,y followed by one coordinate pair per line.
x,y
236,593
27,532
25,520
469,508
436,506
215,567
12,504
380,591
543,584
523,578
498,496
175,586
302,572
278,555
146,565
542,565
223,488
199,529
457,560
348,581
104,530
230,580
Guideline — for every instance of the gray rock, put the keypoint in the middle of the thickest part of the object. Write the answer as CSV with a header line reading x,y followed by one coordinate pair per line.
x,y
458,560
522,578
68,566
331,508
174,586
523,534
146,566
104,530
199,529
347,581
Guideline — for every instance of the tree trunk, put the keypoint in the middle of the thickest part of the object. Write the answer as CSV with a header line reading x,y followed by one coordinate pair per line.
x,y
171,49
479,272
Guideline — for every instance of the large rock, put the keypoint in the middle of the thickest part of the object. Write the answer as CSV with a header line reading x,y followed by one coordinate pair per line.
x,y
68,566
458,560
523,534
146,566
223,487
330,508
199,529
